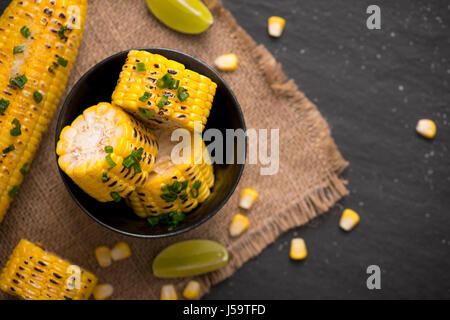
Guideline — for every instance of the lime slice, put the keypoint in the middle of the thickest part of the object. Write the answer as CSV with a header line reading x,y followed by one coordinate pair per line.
x,y
187,16
190,258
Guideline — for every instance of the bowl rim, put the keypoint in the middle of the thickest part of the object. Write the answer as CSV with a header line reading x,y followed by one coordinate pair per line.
x,y
64,177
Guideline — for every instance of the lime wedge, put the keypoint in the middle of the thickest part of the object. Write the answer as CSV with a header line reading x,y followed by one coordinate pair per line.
x,y
190,258
186,16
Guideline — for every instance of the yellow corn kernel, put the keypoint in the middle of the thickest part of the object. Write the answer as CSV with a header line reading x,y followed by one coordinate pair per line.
x,y
120,251
103,291
275,26
227,62
168,292
349,220
426,128
103,256
192,290
238,225
298,249
248,198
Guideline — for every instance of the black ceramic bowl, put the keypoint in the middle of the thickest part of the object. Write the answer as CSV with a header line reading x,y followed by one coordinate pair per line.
x,y
97,86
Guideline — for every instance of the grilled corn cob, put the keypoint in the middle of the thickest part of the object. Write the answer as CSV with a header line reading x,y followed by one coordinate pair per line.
x,y
38,44
34,274
106,152
162,92
174,187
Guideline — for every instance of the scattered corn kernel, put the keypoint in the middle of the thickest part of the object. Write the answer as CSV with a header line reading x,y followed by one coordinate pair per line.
x,y
349,220
227,62
103,291
238,225
192,290
248,198
168,292
275,26
120,251
103,256
298,249
426,128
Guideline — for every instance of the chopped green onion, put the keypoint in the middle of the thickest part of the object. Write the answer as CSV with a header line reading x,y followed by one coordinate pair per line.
x,y
164,82
24,169
197,184
3,106
15,131
18,81
9,149
105,177
145,113
174,84
115,196
25,31
128,162
177,218
18,49
110,162
133,160
61,32
13,192
153,221
162,102
182,94
109,149
194,191
37,96
141,67
145,96
169,197
63,61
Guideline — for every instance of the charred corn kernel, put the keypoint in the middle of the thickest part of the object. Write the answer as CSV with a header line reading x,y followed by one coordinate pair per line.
x,y
227,62
238,225
426,128
349,220
174,185
275,26
29,92
298,249
120,251
168,292
103,256
164,93
248,198
34,274
103,291
192,290
106,152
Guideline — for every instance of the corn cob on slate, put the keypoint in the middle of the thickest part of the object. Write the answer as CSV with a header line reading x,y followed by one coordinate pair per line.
x,y
174,187
163,92
106,152
34,274
38,44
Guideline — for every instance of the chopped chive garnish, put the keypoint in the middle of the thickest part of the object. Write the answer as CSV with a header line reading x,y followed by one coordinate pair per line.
x,y
174,84
141,67
164,82
18,49
3,106
197,184
194,191
162,102
61,32
105,177
15,131
145,96
37,96
133,160
18,81
9,149
115,196
25,31
160,84
177,218
24,169
110,162
153,221
169,197
63,61
109,149
13,192
182,94
145,113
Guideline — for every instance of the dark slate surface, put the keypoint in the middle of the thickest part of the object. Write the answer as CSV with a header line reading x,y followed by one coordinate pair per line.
x,y
372,87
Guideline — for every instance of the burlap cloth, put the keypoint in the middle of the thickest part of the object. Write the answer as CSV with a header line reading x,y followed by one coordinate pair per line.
x,y
306,185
